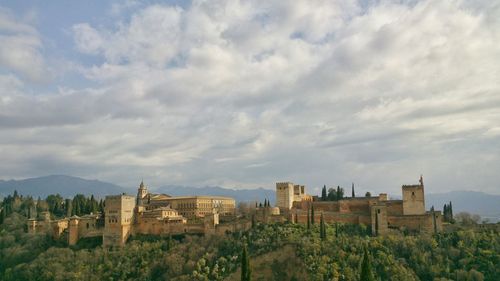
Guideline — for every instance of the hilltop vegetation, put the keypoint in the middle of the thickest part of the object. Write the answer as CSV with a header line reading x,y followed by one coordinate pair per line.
x,y
276,252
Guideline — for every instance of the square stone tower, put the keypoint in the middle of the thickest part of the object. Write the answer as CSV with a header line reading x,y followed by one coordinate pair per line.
x,y
284,195
379,219
119,217
414,199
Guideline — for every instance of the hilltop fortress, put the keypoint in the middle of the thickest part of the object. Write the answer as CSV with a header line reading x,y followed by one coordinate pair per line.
x,y
158,214
378,212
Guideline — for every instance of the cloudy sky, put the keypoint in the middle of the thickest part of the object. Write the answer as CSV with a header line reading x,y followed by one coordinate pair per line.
x,y
244,94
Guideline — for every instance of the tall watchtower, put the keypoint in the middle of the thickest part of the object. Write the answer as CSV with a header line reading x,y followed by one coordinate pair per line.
x,y
284,195
414,198
119,210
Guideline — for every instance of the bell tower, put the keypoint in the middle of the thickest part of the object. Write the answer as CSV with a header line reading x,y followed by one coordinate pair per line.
x,y
142,192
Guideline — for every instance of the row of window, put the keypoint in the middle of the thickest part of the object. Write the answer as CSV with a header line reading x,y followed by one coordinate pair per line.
x,y
186,205
200,205
116,220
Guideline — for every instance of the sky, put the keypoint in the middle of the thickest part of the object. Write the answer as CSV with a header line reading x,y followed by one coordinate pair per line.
x,y
244,94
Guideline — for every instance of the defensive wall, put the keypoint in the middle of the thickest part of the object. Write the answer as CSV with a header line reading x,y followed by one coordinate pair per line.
x,y
379,212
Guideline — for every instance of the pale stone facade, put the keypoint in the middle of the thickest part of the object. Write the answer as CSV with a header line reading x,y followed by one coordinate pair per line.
x,y
119,217
414,199
287,193
284,195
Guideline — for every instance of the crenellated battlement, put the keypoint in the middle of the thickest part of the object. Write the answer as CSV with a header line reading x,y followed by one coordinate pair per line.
x,y
412,186
285,183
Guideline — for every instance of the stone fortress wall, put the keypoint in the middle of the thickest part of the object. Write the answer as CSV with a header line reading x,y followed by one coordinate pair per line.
x,y
378,212
158,214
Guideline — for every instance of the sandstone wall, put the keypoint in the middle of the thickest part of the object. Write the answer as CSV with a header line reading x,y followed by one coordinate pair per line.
x,y
300,216
394,207
423,223
413,200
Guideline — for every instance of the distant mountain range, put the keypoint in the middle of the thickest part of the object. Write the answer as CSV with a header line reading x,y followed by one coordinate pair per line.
x,y
474,202
486,205
66,186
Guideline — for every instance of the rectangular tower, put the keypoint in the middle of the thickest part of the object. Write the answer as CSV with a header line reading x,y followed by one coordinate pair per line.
x,y
284,195
119,217
413,200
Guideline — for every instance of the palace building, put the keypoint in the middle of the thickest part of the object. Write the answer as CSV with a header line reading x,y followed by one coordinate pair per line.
x,y
378,212
146,213
187,206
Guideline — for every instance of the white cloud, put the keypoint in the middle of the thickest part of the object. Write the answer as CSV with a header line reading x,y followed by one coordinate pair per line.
x,y
150,37
249,93
20,48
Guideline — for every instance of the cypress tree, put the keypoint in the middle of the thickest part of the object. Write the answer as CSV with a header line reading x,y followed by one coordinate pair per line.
x,y
308,220
336,229
253,220
323,193
75,211
101,207
434,220
68,207
322,228
245,265
450,211
445,213
2,216
353,195
312,214
366,268
93,204
340,193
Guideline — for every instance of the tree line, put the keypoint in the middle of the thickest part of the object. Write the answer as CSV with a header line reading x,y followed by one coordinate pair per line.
x,y
55,205
319,251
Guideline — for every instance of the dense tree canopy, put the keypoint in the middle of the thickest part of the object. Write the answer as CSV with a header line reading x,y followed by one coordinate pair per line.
x,y
323,252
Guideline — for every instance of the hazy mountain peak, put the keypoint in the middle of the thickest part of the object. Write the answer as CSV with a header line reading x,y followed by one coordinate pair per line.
x,y
66,186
